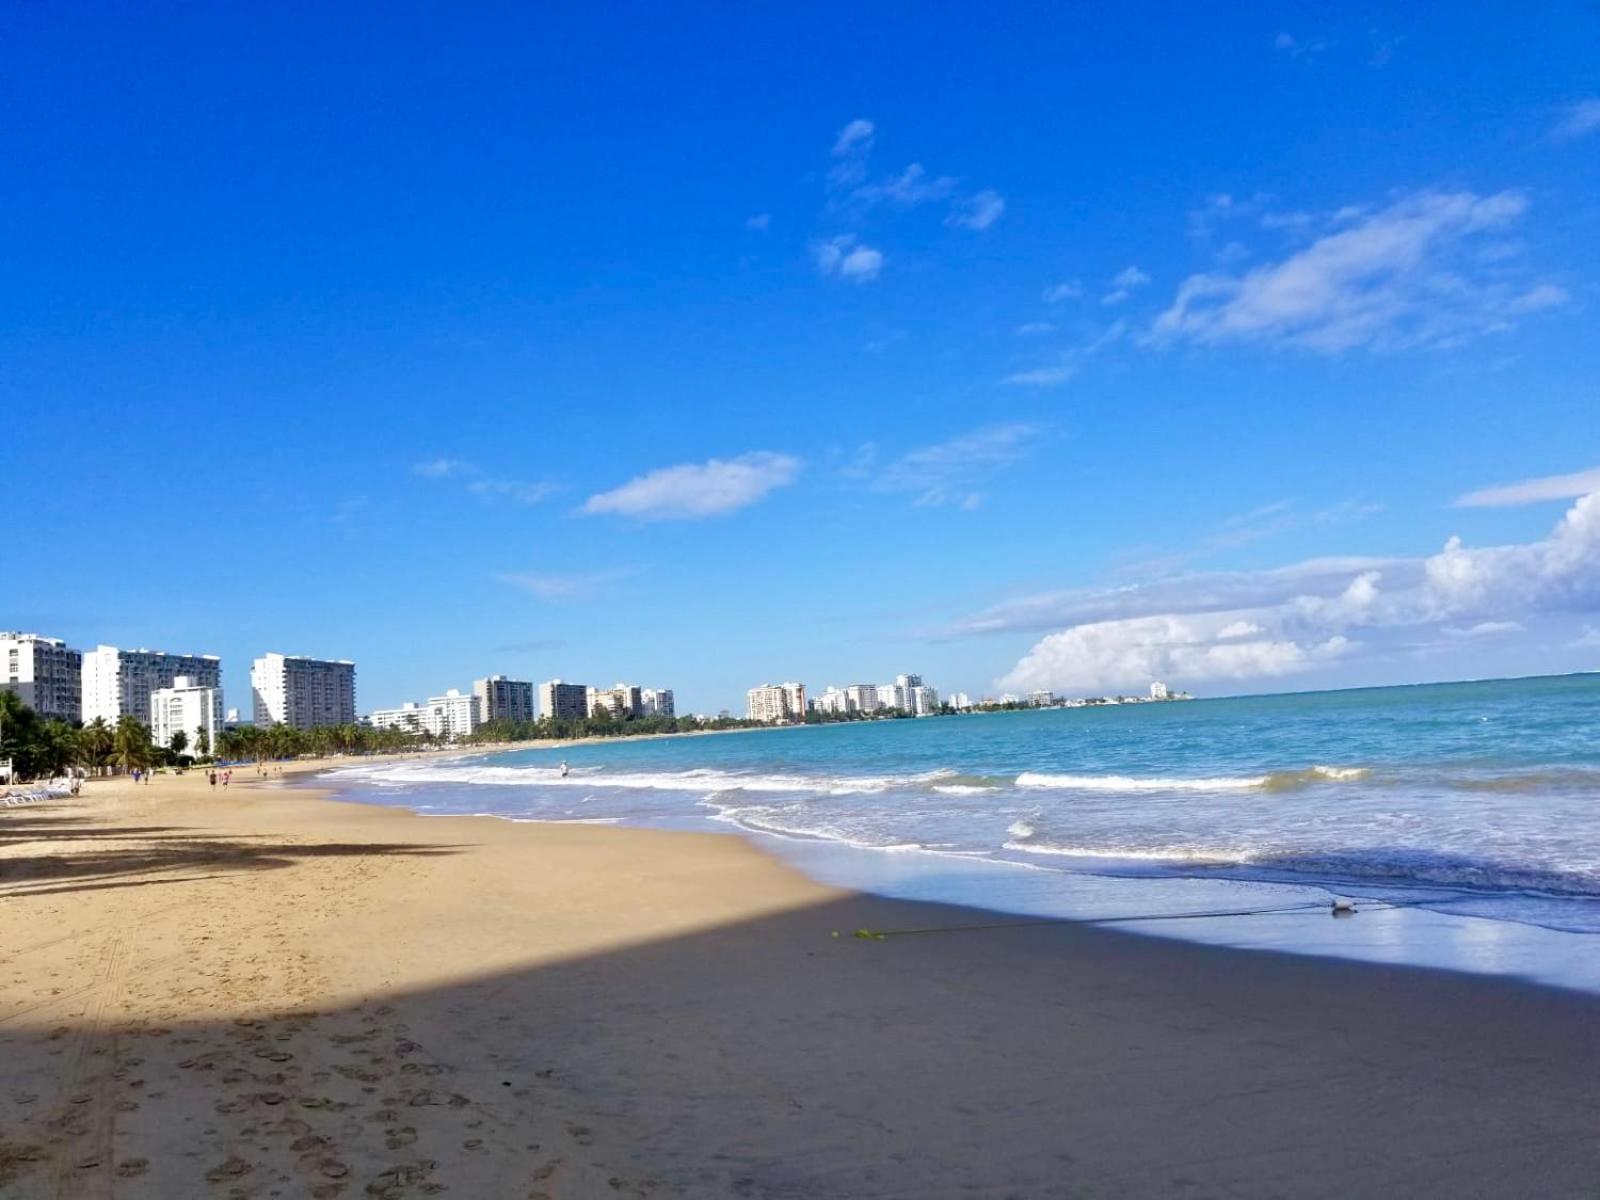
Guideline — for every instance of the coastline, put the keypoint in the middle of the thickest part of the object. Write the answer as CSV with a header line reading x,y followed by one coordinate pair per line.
x,y
535,1009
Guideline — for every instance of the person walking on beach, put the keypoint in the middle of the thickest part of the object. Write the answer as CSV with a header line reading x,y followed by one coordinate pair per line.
x,y
211,778
226,775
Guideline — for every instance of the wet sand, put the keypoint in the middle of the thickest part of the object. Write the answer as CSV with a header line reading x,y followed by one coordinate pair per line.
x,y
268,993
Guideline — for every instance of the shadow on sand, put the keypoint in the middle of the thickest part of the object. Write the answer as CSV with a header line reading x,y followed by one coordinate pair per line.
x,y
771,1059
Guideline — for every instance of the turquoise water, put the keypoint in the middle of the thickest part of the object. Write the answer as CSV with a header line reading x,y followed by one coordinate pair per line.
x,y
1469,800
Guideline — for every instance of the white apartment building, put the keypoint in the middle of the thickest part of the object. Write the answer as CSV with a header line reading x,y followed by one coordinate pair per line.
x,y
862,697
1158,691
454,714
44,672
774,702
188,706
893,695
657,702
502,699
303,693
119,683
624,700
960,701
924,700
567,701
409,716
833,701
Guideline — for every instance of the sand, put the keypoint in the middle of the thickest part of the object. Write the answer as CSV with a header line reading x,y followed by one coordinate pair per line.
x,y
269,993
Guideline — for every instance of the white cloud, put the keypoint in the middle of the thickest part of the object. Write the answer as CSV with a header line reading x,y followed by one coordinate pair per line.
x,y
852,193
1532,491
843,257
1130,653
440,468
947,472
558,587
1578,120
519,491
1242,625
1399,276
978,211
1482,629
1294,47
1044,376
854,138
1070,290
911,187
691,491
761,222
1123,284
1068,362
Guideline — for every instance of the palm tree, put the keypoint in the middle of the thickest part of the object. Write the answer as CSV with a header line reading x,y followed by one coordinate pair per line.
x,y
132,744
96,741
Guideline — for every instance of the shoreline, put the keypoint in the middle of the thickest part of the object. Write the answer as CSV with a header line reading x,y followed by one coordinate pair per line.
x,y
1205,908
274,989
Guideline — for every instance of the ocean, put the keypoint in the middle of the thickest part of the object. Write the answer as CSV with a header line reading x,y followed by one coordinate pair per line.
x,y
1462,819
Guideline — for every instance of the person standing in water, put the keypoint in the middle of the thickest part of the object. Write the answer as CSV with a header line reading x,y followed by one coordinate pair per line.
x,y
564,768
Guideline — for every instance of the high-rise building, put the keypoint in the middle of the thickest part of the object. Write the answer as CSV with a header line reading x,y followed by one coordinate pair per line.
x,y
833,702
453,714
45,672
862,697
118,683
303,692
657,702
564,701
924,700
409,716
624,700
774,702
502,699
1158,691
191,708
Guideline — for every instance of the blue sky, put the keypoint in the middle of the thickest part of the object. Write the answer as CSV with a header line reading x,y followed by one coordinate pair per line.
x,y
693,346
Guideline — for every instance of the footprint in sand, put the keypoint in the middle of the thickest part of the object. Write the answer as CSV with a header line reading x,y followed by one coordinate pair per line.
x,y
400,1137
128,1168
233,1168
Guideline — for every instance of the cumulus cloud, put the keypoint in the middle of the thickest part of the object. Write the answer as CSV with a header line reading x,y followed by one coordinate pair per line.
x,y
691,491
1402,275
1058,292
1578,120
854,138
1246,625
1123,284
948,472
978,211
853,192
843,257
1532,491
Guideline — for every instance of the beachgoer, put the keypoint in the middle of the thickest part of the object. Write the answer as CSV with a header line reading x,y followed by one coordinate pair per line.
x,y
564,768
226,775
211,778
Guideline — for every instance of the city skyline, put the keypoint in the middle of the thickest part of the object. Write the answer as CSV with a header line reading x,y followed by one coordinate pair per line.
x,y
1036,365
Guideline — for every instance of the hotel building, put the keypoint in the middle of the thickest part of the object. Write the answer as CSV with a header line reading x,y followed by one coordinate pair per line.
x,y
44,672
563,700
303,693
453,714
188,706
624,700
502,699
657,702
772,702
118,683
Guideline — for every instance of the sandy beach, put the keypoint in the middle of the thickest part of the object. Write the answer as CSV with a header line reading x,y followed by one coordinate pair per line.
x,y
270,993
